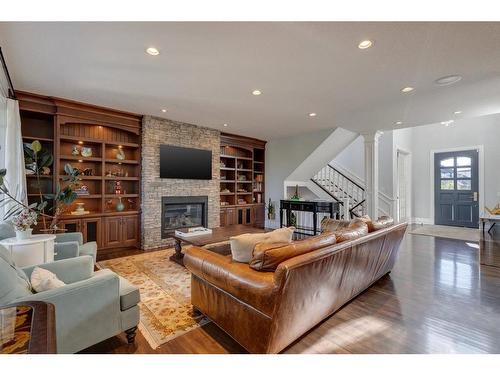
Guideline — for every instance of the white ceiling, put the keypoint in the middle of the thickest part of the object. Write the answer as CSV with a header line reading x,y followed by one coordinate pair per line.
x,y
206,71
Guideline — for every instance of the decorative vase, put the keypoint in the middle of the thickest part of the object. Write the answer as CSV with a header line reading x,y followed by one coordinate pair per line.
x,y
23,234
120,206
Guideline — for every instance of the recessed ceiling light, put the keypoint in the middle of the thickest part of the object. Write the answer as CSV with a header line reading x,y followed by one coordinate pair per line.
x,y
256,92
225,125
448,80
399,123
407,89
447,123
457,112
164,110
153,51
365,44
312,114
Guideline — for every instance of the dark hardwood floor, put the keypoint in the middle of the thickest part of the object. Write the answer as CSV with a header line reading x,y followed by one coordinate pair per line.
x,y
439,298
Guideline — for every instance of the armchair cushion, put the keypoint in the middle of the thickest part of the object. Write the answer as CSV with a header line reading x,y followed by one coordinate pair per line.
x,y
70,237
13,282
65,250
68,270
6,230
129,294
89,248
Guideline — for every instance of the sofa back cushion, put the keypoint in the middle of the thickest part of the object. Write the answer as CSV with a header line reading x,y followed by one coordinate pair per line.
x,y
380,223
332,225
13,281
267,256
356,228
242,246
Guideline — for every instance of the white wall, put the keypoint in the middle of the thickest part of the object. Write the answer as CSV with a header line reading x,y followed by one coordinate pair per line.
x,y
352,159
463,133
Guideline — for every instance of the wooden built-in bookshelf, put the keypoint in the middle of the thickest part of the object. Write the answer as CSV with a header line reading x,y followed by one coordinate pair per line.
x,y
62,125
242,162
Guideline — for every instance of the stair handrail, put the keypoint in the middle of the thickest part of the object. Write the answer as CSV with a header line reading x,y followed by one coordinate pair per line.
x,y
346,177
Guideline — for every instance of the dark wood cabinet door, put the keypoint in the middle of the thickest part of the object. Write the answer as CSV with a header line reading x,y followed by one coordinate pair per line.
x,y
258,215
223,214
112,231
130,230
71,225
91,229
231,216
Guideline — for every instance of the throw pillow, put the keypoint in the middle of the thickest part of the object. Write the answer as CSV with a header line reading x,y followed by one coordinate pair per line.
x,y
42,280
242,245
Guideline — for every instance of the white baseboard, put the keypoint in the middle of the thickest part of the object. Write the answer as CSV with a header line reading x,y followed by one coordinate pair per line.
x,y
421,220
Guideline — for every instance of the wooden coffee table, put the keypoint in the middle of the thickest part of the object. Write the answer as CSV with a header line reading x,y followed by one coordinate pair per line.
x,y
218,235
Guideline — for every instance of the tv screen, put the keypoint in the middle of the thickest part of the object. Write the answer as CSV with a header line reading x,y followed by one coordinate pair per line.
x,y
188,163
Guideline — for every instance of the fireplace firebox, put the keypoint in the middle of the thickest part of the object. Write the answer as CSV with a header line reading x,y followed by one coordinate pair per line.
x,y
183,212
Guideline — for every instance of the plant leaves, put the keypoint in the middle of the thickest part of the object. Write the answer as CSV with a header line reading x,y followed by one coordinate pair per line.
x,y
36,146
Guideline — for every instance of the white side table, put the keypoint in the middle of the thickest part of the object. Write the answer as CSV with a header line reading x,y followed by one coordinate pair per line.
x,y
37,249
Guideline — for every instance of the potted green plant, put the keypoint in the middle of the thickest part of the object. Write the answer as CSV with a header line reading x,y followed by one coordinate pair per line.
x,y
271,211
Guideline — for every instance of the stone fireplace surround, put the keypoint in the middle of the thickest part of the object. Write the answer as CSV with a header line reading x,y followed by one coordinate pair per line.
x,y
155,132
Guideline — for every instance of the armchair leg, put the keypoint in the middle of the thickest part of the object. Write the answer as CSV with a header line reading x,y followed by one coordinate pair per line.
x,y
131,334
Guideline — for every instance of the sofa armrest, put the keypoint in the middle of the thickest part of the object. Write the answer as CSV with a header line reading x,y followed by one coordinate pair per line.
x,y
65,250
238,279
70,237
68,270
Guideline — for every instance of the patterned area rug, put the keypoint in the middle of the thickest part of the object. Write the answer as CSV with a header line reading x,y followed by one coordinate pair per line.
x,y
166,310
457,233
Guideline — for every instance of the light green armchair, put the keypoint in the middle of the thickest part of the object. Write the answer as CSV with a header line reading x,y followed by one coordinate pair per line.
x,y
92,307
67,245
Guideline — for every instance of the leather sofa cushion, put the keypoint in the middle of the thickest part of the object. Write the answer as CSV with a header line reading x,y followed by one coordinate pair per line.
x,y
129,294
380,223
332,225
356,228
254,288
267,256
242,246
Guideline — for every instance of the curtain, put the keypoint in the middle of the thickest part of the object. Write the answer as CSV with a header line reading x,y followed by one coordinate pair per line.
x,y
11,150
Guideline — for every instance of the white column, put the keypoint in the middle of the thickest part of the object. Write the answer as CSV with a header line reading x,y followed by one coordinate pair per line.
x,y
371,172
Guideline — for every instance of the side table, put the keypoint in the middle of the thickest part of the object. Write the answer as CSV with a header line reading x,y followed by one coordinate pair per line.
x,y
37,249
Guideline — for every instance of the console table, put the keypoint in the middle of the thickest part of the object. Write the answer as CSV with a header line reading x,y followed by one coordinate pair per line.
x,y
37,249
315,207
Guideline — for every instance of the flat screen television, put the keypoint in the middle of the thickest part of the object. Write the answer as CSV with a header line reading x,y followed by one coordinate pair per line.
x,y
186,163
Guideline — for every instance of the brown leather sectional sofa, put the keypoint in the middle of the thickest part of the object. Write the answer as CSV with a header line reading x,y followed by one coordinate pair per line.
x,y
287,289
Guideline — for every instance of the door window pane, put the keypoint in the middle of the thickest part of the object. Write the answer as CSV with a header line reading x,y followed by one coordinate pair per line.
x,y
463,173
447,185
447,172
464,185
450,162
463,161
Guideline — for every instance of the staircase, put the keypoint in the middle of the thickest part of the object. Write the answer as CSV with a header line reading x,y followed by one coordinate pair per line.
x,y
341,188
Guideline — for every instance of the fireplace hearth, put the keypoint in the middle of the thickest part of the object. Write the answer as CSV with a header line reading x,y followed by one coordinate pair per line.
x,y
183,212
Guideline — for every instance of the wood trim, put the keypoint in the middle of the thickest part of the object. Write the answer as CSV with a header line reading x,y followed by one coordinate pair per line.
x,y
240,140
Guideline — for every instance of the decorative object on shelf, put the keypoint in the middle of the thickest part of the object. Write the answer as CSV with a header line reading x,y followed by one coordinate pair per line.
x,y
296,196
241,166
493,211
86,152
226,190
80,210
241,201
259,198
119,205
75,150
271,210
259,178
23,222
131,204
120,155
118,187
82,190
223,177
109,204
242,177
88,172
241,190
224,203
45,171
